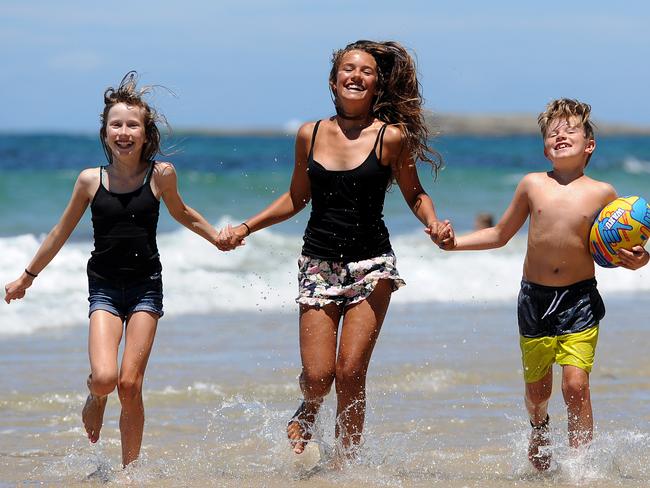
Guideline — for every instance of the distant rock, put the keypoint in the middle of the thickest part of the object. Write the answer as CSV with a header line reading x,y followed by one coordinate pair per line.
x,y
510,124
439,124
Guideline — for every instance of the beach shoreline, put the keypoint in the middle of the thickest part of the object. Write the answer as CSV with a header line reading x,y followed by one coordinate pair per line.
x,y
444,393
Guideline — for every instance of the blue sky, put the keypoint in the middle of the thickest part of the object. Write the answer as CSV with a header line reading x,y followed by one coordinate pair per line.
x,y
264,63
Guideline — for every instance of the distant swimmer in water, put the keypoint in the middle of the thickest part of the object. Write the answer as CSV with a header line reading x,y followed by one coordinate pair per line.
x,y
559,307
124,270
483,221
347,272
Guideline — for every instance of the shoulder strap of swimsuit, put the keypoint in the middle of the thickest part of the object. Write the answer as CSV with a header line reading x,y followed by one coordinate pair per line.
x,y
380,140
313,139
147,177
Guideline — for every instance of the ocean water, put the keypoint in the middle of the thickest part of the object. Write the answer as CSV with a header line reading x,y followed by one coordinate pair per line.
x,y
230,178
444,389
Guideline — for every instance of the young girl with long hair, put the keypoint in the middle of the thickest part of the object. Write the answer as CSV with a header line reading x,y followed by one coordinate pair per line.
x,y
124,270
344,164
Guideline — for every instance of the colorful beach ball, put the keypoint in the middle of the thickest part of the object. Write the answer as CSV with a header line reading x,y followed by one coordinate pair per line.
x,y
622,224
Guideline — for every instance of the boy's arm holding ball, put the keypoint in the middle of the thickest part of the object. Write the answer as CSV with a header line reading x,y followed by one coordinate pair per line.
x,y
635,258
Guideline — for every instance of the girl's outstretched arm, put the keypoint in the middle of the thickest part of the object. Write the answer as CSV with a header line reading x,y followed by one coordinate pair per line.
x,y
289,203
408,180
85,186
166,184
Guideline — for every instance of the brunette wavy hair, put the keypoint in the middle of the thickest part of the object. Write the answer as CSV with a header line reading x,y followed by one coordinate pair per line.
x,y
128,92
398,100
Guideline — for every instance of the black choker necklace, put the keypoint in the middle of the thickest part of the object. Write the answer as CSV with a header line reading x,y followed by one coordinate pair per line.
x,y
355,129
344,116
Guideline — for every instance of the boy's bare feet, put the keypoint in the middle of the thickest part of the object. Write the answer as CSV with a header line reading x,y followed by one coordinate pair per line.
x,y
92,414
299,428
539,438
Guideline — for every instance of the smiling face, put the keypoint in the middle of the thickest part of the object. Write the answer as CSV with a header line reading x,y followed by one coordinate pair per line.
x,y
566,139
356,80
125,130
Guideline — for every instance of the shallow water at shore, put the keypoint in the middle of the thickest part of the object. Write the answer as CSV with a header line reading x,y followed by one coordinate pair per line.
x,y
445,406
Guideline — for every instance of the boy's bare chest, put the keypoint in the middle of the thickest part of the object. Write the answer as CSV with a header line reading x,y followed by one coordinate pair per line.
x,y
566,206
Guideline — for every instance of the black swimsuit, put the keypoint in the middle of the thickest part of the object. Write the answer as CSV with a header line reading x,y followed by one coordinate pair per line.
x,y
124,227
346,222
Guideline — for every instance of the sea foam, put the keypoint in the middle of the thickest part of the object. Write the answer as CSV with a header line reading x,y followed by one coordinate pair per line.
x,y
261,277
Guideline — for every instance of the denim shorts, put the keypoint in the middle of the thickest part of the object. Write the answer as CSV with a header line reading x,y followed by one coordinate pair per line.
x,y
123,299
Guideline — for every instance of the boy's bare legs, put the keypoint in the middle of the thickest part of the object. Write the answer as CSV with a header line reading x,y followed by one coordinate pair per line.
x,y
104,338
575,388
537,397
361,326
318,334
140,333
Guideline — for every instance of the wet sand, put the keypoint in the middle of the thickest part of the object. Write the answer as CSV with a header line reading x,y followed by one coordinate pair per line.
x,y
444,397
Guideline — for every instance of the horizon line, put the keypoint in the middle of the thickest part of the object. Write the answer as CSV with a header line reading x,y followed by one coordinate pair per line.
x,y
440,124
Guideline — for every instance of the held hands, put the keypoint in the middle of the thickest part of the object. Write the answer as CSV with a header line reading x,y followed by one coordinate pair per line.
x,y
16,289
442,234
231,237
634,259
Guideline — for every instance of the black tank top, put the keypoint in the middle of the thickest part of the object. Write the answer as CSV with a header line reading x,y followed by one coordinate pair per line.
x,y
124,226
346,222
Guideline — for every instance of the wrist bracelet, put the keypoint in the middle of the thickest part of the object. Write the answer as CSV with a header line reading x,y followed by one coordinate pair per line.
x,y
248,229
29,273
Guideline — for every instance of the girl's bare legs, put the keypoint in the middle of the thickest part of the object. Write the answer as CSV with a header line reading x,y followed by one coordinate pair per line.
x,y
537,397
361,325
318,334
575,388
140,333
103,342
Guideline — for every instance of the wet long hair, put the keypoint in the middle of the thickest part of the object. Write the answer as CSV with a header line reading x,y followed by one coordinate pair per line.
x,y
398,100
128,92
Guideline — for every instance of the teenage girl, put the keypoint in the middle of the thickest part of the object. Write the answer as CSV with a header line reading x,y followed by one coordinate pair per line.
x,y
347,271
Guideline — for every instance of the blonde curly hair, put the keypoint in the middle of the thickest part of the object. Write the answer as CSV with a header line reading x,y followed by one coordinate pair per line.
x,y
565,109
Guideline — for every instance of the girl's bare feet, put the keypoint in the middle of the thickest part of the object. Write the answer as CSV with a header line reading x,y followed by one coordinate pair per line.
x,y
299,428
92,414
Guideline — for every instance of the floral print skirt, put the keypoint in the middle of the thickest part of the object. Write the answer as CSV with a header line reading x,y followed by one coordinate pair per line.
x,y
323,282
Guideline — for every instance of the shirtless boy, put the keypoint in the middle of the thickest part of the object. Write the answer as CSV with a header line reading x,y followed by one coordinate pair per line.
x,y
559,307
